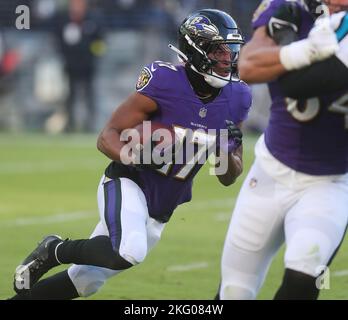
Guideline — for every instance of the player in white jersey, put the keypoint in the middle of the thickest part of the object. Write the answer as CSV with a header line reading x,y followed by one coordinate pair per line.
x,y
297,190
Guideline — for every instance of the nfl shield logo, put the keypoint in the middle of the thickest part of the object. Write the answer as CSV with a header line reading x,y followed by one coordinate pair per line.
x,y
203,112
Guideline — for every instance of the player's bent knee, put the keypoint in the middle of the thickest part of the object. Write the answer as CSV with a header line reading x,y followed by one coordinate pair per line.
x,y
116,262
134,249
236,292
87,279
308,252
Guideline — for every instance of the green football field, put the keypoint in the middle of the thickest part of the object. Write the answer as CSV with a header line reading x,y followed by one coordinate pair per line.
x,y
48,185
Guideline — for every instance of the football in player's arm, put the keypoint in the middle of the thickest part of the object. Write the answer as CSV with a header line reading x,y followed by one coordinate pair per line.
x,y
136,200
138,108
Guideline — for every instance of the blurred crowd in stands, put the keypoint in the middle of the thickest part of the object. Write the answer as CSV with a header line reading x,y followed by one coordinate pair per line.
x,y
80,58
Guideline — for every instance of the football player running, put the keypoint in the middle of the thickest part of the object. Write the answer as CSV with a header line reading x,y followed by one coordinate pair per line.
x,y
137,200
297,189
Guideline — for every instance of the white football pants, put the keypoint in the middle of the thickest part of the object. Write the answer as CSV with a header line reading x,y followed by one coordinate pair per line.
x,y
125,219
277,204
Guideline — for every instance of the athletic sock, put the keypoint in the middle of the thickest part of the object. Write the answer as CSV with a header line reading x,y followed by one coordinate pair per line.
x,y
297,286
97,251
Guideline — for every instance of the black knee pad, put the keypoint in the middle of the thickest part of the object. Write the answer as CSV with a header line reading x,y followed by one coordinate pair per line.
x,y
116,262
97,251
297,286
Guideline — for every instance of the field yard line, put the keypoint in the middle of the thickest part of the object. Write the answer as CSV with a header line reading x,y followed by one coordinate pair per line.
x,y
223,216
188,267
341,273
73,216
61,217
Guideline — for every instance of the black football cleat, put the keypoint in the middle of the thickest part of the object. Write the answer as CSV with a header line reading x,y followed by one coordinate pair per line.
x,y
40,261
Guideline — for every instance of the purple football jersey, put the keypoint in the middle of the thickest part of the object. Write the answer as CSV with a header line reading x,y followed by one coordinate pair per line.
x,y
178,105
310,136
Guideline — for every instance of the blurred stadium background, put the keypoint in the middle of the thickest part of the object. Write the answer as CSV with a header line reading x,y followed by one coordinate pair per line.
x,y
36,63
50,168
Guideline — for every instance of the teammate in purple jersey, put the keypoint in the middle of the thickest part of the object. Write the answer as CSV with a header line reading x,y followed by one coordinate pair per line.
x,y
136,200
297,189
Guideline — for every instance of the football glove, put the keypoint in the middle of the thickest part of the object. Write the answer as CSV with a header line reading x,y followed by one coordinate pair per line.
x,y
233,140
320,44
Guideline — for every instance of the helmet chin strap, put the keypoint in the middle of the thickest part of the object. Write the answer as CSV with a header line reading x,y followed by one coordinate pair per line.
x,y
212,79
215,80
